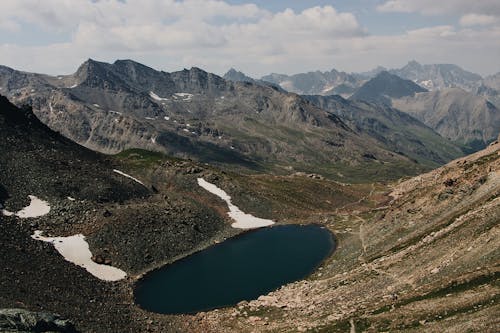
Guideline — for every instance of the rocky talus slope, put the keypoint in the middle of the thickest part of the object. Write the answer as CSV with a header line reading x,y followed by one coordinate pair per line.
x,y
131,225
427,260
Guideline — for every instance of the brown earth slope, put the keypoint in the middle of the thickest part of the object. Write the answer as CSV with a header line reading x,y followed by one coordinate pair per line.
x,y
428,261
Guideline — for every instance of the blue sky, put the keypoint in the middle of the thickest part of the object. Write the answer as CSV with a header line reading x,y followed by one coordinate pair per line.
x,y
365,10
257,37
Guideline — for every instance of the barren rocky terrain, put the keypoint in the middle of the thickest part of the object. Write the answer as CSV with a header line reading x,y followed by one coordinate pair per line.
x,y
416,255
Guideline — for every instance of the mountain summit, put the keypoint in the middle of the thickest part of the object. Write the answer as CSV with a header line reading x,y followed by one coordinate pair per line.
x,y
438,76
385,86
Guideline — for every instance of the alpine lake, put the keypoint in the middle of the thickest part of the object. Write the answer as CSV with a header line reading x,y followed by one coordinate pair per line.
x,y
240,268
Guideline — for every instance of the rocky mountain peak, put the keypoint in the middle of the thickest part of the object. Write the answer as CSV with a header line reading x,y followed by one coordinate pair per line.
x,y
132,65
196,80
413,64
91,71
237,76
90,65
438,76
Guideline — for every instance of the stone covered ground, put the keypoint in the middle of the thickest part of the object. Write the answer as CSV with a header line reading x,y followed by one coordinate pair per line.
x,y
421,255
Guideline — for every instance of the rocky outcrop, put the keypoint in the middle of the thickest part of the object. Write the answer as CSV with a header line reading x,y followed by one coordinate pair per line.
x,y
24,321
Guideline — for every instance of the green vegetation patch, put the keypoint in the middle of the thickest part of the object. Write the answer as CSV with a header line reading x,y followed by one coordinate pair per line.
x,y
142,158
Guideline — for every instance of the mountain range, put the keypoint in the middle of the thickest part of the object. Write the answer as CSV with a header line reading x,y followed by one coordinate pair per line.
x,y
398,131
199,115
469,120
431,77
414,254
318,83
460,105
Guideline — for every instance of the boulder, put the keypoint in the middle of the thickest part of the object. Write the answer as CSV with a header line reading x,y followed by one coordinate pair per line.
x,y
20,320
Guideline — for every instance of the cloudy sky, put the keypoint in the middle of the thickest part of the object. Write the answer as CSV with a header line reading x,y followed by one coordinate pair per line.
x,y
256,36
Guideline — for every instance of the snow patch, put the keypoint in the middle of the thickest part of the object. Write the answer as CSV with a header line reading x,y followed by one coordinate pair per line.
x,y
50,107
75,249
327,88
153,139
128,176
184,96
166,118
71,199
242,220
36,208
287,85
96,105
426,84
149,118
73,86
156,97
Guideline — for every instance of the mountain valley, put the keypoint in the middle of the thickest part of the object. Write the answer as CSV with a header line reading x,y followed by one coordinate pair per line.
x,y
117,151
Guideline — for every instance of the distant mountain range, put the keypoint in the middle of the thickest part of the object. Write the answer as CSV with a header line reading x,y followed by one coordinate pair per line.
x,y
469,120
318,83
237,76
460,105
438,76
199,115
430,77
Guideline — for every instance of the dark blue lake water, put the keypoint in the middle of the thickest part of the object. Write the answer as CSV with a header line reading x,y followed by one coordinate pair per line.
x,y
240,268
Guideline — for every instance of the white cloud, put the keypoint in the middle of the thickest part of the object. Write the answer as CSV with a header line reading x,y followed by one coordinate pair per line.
x,y
471,20
215,35
433,7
